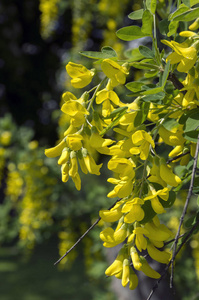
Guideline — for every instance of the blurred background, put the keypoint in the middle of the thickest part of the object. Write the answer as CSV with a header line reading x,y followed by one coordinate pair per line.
x,y
41,217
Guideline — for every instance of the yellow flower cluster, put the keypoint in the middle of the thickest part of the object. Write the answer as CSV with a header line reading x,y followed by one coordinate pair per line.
x,y
143,181
89,118
49,15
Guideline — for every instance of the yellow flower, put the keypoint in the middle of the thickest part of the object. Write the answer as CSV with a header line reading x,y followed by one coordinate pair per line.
x,y
147,270
155,203
80,75
167,175
135,258
125,272
106,97
172,138
140,240
73,170
155,173
74,141
117,266
122,166
90,163
142,142
68,96
111,215
133,280
64,171
5,138
128,118
123,187
194,25
184,54
113,238
160,256
64,156
57,150
157,233
178,150
76,111
114,71
133,209
99,143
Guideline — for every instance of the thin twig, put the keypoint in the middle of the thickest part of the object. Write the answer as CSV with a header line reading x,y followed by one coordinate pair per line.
x,y
187,236
79,240
177,157
81,237
184,212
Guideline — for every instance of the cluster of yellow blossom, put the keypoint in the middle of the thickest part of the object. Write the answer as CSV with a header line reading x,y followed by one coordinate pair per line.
x,y
143,181
49,15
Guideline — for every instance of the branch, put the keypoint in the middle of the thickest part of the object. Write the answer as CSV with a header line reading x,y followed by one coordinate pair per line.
x,y
177,157
184,212
177,84
81,237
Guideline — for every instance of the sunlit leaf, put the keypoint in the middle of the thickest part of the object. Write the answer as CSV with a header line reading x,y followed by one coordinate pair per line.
x,y
130,33
147,21
106,52
136,15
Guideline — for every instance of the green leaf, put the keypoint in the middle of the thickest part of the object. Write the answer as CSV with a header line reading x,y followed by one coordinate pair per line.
x,y
145,66
106,52
191,136
182,8
116,112
149,212
170,201
165,74
169,124
173,26
130,33
147,22
142,114
186,2
151,74
134,86
133,55
189,222
194,2
154,98
187,16
153,91
151,5
146,52
164,26
192,122
136,15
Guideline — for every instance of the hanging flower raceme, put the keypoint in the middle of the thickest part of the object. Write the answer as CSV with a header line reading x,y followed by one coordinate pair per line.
x,y
80,75
71,151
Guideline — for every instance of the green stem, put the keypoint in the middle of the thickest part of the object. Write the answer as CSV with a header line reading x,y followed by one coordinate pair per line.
x,y
94,94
